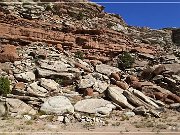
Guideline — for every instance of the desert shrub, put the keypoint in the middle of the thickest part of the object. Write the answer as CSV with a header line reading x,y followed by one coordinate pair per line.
x,y
110,25
48,7
80,16
125,60
79,55
59,80
4,86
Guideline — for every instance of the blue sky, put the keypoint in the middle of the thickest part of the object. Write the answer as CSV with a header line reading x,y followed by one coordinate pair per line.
x,y
150,15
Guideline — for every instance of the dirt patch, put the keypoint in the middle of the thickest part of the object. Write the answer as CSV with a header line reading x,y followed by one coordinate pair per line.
x,y
169,123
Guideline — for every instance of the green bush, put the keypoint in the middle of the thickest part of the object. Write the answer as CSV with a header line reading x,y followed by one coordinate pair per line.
x,y
4,86
59,81
80,16
79,55
125,60
48,8
110,25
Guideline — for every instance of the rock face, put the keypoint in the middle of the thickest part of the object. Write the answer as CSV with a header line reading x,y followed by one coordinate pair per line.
x,y
57,105
78,31
94,106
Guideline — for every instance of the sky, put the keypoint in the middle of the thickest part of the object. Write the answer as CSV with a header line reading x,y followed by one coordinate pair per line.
x,y
153,15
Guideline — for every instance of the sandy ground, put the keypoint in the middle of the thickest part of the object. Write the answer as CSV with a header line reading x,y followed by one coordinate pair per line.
x,y
169,123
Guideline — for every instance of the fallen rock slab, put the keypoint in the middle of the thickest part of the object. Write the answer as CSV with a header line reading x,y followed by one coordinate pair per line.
x,y
132,98
116,94
100,86
85,83
144,97
57,66
141,110
106,69
37,90
49,84
26,77
19,107
94,106
57,105
2,108
49,73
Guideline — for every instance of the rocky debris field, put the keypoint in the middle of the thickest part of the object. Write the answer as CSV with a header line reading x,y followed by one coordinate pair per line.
x,y
59,72
58,87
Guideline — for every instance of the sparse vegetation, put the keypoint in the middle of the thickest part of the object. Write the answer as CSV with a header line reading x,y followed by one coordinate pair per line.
x,y
50,118
29,122
145,123
161,126
80,16
79,55
41,113
106,122
48,7
4,86
89,125
110,24
124,117
125,60
116,124
59,81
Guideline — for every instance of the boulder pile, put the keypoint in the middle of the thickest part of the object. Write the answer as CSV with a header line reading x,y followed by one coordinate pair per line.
x,y
55,83
64,60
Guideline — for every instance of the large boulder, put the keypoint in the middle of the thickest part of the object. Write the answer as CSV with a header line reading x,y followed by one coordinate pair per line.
x,y
158,69
175,68
146,56
122,85
49,73
106,69
37,90
49,84
19,107
8,54
132,98
98,81
102,82
2,108
84,65
143,97
100,86
57,66
116,94
94,106
57,105
86,83
26,76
